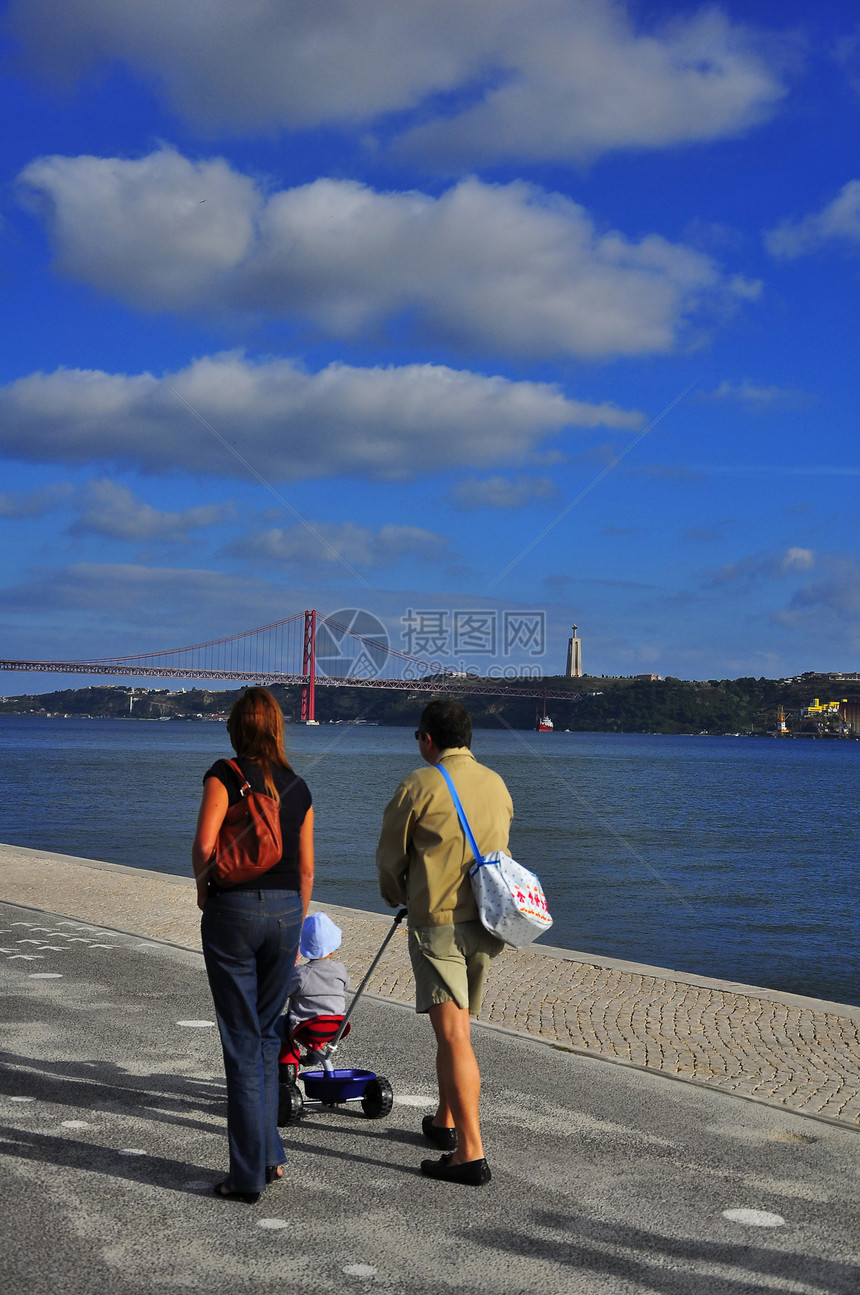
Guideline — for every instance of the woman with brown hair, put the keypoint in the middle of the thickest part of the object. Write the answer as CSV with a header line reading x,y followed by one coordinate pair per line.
x,y
250,934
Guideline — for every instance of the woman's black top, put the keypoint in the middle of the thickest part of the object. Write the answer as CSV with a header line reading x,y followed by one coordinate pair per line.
x,y
295,803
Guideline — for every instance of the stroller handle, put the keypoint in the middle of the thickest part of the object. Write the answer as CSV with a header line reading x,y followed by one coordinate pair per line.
x,y
330,1048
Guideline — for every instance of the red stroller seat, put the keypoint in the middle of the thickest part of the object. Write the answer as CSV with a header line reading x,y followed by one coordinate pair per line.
x,y
311,1035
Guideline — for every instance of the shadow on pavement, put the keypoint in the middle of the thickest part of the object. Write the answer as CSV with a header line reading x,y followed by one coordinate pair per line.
x,y
656,1262
93,1157
104,1086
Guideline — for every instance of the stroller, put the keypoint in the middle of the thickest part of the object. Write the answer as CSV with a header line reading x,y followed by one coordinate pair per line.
x,y
311,1035
320,1037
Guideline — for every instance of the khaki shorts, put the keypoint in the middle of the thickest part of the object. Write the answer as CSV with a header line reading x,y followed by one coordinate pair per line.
x,y
450,964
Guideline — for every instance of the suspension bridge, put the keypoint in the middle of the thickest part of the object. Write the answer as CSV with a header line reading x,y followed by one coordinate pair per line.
x,y
332,655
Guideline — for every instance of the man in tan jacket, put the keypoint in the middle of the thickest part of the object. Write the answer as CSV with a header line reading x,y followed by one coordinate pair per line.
x,y
423,861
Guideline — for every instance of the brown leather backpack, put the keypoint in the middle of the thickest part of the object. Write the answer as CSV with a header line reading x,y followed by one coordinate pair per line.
x,y
249,842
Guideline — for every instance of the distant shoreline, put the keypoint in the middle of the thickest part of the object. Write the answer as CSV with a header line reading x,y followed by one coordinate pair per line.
x,y
807,706
219,719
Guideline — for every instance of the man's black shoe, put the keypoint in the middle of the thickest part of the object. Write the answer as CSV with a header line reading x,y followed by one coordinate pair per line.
x,y
444,1139
474,1173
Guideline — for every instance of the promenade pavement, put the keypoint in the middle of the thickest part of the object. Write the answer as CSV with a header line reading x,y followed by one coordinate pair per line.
x,y
797,1053
607,1179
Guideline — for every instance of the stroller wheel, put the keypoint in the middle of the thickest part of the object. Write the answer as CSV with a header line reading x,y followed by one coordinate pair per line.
x,y
378,1098
291,1104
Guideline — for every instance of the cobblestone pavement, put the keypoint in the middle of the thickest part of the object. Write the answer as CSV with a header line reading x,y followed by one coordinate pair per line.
x,y
761,1044
773,1047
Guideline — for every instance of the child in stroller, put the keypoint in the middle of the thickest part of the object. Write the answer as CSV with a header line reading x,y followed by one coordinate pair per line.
x,y
316,1000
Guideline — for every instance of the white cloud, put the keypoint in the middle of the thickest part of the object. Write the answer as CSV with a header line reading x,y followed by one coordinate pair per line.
x,y
745,571
796,559
847,54
745,289
504,492
15,505
334,543
264,63
109,508
160,599
585,82
838,222
755,394
760,567
506,267
384,423
828,608
159,231
534,79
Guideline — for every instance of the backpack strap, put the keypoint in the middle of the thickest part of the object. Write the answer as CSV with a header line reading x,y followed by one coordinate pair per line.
x,y
461,814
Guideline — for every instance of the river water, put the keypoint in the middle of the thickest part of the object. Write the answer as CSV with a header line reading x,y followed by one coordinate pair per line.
x,y
730,857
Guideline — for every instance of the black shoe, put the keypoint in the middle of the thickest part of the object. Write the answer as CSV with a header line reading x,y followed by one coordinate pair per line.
x,y
273,1174
226,1193
444,1139
474,1173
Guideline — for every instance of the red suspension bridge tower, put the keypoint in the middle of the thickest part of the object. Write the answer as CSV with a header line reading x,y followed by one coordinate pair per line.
x,y
309,669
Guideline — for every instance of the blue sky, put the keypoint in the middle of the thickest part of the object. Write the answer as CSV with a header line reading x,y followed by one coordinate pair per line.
x,y
541,306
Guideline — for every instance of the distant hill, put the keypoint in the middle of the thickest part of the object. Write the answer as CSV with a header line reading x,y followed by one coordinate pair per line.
x,y
632,705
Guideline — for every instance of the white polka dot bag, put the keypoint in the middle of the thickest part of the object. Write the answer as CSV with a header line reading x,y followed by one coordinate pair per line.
x,y
510,899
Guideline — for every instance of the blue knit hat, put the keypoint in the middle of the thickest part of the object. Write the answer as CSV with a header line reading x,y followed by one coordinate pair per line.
x,y
320,936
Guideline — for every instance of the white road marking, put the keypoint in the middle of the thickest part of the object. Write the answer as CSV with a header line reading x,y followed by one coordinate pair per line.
x,y
22,1099
132,1151
54,948
359,1270
196,1025
45,975
102,946
414,1099
76,1124
27,957
272,1223
754,1218
27,941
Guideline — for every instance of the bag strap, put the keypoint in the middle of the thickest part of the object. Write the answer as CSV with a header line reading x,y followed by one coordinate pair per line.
x,y
244,785
461,814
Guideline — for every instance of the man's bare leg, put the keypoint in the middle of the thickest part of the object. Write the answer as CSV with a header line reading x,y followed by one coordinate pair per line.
x,y
459,1079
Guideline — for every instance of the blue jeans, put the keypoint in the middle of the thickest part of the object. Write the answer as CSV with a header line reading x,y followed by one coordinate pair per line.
x,y
250,939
